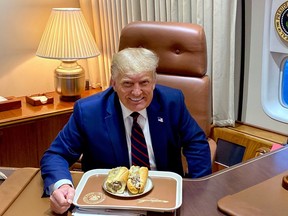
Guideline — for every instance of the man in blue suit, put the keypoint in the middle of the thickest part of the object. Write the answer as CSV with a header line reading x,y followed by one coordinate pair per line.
x,y
100,128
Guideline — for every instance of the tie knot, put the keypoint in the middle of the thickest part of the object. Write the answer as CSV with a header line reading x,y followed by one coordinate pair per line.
x,y
134,115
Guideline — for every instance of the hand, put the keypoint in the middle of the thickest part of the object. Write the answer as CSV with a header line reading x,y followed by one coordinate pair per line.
x,y
61,199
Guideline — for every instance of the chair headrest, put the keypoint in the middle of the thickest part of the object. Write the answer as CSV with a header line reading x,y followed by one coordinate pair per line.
x,y
181,47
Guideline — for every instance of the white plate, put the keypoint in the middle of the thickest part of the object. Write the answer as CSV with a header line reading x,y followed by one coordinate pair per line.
x,y
127,194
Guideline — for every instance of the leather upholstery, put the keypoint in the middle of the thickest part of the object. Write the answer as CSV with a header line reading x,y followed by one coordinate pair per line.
x,y
181,48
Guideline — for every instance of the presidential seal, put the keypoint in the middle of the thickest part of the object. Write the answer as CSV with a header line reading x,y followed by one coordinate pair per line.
x,y
281,21
94,198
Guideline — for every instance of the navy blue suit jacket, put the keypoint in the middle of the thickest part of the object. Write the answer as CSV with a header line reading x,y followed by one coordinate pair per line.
x,y
96,130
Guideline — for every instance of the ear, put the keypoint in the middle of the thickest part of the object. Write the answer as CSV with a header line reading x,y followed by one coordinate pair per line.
x,y
154,84
113,84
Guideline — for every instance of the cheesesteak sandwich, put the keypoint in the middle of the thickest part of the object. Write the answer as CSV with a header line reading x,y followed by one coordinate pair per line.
x,y
137,179
117,180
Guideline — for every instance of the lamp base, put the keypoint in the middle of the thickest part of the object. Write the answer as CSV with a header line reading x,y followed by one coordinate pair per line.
x,y
69,80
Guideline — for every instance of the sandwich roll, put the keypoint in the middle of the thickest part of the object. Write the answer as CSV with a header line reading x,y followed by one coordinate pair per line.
x,y
137,179
117,180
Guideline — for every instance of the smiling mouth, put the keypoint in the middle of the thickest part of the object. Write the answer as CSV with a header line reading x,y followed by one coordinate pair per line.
x,y
136,99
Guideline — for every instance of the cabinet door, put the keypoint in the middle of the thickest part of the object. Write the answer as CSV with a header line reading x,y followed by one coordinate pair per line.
x,y
23,144
47,130
18,145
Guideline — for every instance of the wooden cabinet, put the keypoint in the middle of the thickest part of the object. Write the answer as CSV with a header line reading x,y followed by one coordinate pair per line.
x,y
242,140
18,146
25,133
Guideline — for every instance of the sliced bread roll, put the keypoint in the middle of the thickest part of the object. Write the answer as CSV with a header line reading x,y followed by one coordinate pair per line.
x,y
117,180
137,179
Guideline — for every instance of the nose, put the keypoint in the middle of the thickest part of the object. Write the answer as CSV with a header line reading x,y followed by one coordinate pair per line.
x,y
136,89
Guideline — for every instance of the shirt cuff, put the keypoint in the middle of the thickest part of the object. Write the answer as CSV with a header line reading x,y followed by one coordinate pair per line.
x,y
58,184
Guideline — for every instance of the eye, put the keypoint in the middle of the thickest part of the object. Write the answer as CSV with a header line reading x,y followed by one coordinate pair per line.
x,y
127,84
145,82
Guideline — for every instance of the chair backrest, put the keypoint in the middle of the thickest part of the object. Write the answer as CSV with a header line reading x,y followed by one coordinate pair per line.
x,y
181,48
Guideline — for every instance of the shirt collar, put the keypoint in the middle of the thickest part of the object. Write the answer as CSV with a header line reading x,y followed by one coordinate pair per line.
x,y
126,112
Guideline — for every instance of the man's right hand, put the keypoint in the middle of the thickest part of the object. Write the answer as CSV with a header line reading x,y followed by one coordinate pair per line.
x,y
62,198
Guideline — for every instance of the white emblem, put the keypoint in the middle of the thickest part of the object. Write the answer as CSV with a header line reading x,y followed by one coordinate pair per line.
x,y
160,119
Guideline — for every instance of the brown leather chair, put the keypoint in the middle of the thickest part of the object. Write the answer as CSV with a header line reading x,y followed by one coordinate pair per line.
x,y
181,48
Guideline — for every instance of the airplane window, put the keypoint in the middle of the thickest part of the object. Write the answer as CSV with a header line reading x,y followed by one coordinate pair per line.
x,y
284,85
274,86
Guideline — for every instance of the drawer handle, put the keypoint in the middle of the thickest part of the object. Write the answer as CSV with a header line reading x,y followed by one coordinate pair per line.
x,y
261,151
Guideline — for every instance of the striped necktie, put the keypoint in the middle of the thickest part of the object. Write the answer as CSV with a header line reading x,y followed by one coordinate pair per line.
x,y
138,144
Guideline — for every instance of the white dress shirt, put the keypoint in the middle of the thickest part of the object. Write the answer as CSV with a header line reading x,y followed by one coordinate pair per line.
x,y
128,121
144,124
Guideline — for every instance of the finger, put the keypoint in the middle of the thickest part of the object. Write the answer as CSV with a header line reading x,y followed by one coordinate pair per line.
x,y
57,207
70,195
59,197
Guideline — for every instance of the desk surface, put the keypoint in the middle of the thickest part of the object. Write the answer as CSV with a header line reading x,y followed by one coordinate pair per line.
x,y
200,196
29,112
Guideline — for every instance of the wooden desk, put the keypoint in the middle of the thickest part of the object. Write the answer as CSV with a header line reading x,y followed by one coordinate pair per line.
x,y
25,133
200,196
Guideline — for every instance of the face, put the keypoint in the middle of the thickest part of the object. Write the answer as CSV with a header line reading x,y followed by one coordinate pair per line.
x,y
135,91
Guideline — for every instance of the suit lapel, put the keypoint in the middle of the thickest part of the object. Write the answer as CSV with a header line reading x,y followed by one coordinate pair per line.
x,y
116,130
157,124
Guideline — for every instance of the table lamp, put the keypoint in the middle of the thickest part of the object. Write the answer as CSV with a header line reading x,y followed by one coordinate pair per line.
x,y
67,37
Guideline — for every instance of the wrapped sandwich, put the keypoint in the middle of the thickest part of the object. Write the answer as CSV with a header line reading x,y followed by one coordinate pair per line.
x,y
137,179
117,180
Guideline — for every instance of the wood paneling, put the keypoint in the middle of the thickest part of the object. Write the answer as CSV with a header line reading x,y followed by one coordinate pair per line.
x,y
27,132
18,145
251,137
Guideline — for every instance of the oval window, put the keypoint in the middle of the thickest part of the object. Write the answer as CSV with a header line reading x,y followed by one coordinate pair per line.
x,y
284,85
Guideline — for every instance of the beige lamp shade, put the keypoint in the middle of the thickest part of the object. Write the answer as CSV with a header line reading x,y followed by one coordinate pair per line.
x,y
67,36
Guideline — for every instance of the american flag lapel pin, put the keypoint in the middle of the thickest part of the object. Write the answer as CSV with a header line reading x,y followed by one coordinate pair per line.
x,y
160,119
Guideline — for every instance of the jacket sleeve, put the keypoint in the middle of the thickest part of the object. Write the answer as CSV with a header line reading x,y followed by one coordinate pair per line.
x,y
195,145
64,151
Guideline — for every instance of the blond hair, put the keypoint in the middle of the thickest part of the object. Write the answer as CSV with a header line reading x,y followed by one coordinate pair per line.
x,y
134,61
